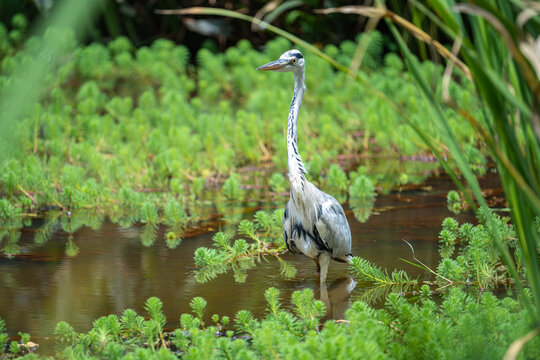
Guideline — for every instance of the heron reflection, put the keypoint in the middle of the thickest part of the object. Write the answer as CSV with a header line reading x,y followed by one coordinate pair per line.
x,y
336,298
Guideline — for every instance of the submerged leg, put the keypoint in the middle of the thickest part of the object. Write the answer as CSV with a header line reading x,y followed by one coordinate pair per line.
x,y
324,260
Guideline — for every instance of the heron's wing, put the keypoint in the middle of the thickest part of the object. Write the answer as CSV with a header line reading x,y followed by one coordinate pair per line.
x,y
332,226
287,228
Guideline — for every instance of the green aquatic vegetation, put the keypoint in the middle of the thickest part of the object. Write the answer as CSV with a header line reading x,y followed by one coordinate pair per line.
x,y
232,188
3,334
361,188
448,237
15,349
366,271
478,260
116,117
176,219
113,336
130,201
468,256
150,218
44,232
10,225
240,255
13,36
457,325
477,161
454,202
336,180
278,183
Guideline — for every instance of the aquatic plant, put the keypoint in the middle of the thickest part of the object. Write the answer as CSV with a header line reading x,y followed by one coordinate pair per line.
x,y
145,133
480,257
478,261
454,202
361,188
231,188
278,183
448,237
366,271
118,127
459,325
15,349
176,218
264,235
336,180
149,217
10,226
3,335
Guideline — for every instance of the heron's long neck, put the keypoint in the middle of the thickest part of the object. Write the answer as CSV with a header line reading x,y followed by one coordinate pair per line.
x,y
297,170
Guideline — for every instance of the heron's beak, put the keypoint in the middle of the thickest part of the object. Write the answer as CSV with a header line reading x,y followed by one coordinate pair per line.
x,y
274,65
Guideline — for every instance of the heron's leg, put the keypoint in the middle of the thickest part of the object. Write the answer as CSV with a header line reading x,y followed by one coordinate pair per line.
x,y
318,265
324,260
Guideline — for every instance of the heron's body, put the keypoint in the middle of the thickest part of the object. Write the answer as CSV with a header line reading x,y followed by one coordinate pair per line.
x,y
314,223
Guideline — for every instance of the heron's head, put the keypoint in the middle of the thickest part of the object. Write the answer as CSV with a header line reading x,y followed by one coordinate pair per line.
x,y
291,60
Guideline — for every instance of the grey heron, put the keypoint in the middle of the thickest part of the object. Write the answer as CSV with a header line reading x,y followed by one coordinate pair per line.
x,y
314,223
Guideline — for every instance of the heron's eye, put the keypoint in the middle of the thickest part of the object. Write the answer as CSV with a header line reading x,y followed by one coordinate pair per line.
x,y
294,60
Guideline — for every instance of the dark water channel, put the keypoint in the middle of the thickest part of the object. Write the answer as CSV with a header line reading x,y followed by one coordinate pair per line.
x,y
114,271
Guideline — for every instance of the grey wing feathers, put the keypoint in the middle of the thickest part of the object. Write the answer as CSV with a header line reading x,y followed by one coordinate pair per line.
x,y
333,226
287,228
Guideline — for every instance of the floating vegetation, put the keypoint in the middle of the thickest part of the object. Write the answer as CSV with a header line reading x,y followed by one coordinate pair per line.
x,y
476,262
10,225
261,237
101,138
362,188
149,217
127,133
278,183
231,188
464,326
454,202
366,271
337,181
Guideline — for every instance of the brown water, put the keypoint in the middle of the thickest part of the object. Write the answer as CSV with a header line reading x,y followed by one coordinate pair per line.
x,y
113,271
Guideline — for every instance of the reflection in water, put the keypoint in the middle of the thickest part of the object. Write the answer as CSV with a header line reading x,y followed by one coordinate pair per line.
x,y
71,248
44,232
336,297
362,208
11,247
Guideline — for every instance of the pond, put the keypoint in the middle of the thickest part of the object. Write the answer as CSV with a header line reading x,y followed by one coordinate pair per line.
x,y
113,271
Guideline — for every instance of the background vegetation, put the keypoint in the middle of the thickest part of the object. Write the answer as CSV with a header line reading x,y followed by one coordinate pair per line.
x,y
139,133
142,134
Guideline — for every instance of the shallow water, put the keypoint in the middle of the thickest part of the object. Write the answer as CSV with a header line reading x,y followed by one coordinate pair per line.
x,y
114,271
